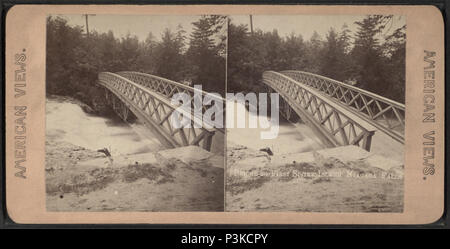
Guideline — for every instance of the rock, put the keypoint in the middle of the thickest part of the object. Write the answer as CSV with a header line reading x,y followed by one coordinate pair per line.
x,y
340,156
186,154
191,155
216,161
87,109
105,151
359,160
249,163
120,161
397,172
382,162
267,150
282,160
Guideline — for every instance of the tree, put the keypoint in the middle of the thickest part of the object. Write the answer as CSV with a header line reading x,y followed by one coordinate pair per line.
x,y
237,56
369,68
169,59
129,53
314,53
147,54
332,60
345,38
62,42
205,55
294,52
74,60
347,63
394,50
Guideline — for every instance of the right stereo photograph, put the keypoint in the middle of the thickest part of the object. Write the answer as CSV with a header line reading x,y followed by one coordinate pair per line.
x,y
315,113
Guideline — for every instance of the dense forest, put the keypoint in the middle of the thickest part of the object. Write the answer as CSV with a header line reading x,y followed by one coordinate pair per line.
x,y
372,58
74,57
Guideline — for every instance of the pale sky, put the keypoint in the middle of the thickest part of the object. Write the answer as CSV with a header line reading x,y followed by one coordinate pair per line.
x,y
138,25
141,25
305,25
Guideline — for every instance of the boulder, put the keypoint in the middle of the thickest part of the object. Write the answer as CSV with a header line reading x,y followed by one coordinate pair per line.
x,y
340,156
281,160
190,155
120,161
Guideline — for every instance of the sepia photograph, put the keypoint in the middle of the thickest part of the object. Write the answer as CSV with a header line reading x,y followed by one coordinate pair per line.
x,y
112,88
211,115
336,112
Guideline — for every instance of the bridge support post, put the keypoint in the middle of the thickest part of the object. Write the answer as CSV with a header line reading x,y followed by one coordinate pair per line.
x,y
367,140
113,102
118,106
207,141
108,97
125,112
287,112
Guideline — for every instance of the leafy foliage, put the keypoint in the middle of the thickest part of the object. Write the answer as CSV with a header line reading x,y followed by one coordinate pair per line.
x,y
362,58
206,56
74,59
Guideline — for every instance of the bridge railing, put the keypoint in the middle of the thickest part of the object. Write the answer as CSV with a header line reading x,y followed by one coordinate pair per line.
x,y
335,124
387,115
169,88
156,109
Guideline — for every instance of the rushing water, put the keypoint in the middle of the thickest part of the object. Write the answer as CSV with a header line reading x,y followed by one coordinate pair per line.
x,y
66,121
292,138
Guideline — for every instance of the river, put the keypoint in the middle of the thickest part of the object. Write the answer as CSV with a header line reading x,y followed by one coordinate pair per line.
x,y
292,138
66,121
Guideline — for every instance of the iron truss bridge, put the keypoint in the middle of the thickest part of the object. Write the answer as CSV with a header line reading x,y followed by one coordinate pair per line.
x,y
148,97
340,114
385,114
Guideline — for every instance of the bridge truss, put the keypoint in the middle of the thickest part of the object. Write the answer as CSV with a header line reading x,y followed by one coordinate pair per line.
x,y
333,123
383,113
148,98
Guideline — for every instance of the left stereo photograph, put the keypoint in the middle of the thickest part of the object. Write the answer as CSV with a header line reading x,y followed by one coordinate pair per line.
x,y
116,136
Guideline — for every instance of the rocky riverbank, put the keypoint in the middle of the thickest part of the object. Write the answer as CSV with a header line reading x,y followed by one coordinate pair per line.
x,y
345,179
78,179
